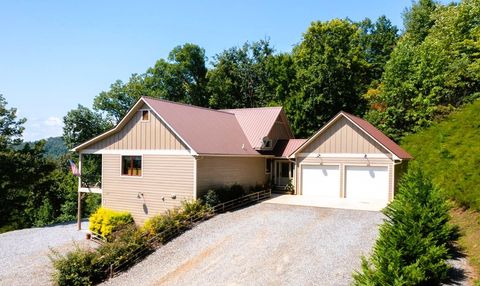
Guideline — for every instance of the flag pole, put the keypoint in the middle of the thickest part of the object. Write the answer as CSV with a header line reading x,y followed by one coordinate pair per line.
x,y
79,206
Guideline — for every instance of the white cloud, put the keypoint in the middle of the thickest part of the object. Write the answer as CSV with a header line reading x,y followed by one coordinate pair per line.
x,y
53,121
41,128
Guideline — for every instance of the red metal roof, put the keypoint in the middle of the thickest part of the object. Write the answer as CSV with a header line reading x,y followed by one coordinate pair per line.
x,y
285,147
207,131
379,136
256,122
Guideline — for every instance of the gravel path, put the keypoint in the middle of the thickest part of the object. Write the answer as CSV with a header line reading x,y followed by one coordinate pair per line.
x,y
24,253
264,244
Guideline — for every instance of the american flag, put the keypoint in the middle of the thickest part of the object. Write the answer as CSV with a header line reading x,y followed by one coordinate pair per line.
x,y
74,168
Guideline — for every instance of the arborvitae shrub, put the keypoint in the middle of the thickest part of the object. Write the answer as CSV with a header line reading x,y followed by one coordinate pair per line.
x,y
412,247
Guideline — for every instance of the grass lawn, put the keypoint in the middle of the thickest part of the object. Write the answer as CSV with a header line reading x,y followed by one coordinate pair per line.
x,y
469,223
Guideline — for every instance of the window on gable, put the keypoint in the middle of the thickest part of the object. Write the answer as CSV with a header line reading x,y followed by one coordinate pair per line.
x,y
132,165
145,115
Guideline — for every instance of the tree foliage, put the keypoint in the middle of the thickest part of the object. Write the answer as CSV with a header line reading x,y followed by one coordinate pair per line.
x,y
378,39
414,239
425,81
82,124
182,78
331,74
418,19
239,77
10,127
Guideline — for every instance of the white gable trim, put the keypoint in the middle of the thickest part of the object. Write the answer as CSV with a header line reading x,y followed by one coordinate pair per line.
x,y
124,120
138,152
328,125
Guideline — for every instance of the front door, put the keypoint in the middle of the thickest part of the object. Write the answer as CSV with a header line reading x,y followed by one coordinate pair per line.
x,y
282,173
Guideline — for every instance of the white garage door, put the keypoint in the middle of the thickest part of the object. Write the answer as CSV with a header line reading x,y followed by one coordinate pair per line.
x,y
321,181
366,184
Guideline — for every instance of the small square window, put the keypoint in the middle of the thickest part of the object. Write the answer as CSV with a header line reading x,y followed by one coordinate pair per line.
x,y
145,115
132,165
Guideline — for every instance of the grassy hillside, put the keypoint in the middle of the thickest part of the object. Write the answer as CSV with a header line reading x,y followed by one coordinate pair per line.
x,y
449,152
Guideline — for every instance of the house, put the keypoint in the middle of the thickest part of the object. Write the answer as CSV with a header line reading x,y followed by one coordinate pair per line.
x,y
162,153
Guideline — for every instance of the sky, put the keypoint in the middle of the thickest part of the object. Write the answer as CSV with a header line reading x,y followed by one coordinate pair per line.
x,y
55,55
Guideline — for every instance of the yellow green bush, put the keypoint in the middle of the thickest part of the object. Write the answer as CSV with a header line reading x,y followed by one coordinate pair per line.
x,y
106,221
176,219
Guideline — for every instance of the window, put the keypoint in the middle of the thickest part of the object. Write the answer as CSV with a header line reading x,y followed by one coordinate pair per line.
x,y
145,115
132,165
268,166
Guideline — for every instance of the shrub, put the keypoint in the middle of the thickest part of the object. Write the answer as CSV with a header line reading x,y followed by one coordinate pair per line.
x,y
77,267
83,267
225,194
413,244
211,199
177,220
88,267
123,242
105,221
194,209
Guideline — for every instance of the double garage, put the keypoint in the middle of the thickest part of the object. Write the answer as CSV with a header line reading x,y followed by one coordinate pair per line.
x,y
356,183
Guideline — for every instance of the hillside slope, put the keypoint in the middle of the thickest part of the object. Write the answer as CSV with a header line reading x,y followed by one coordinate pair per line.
x,y
449,152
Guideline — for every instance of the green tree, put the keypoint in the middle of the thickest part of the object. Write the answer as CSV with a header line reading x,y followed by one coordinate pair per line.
x,y
239,77
120,98
425,81
419,19
181,78
10,127
414,240
378,40
82,124
331,74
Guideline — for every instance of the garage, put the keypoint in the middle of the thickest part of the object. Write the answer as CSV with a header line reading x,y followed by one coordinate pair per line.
x,y
348,163
367,184
321,181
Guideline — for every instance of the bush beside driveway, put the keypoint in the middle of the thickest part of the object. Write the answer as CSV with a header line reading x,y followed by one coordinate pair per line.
x,y
263,245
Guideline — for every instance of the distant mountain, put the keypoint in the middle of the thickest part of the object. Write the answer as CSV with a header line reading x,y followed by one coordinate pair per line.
x,y
54,147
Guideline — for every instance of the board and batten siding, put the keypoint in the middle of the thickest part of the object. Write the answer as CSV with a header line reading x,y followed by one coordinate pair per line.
x,y
162,178
137,134
225,171
344,137
279,130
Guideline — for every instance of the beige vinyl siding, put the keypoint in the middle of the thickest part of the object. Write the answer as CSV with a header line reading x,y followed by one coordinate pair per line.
x,y
344,137
342,162
162,177
152,134
225,171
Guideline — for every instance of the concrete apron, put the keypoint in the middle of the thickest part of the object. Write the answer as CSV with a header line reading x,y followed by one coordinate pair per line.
x,y
313,201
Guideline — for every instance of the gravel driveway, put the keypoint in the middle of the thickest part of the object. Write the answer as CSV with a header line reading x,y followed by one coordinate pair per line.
x,y
264,244
24,253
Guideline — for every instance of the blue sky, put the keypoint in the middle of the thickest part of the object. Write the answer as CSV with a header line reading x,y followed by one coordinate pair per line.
x,y
55,55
